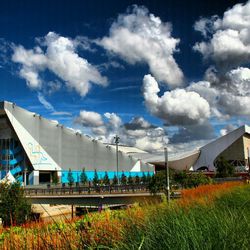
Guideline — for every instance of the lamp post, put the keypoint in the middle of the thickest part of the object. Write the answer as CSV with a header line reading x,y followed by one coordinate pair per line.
x,y
167,173
117,138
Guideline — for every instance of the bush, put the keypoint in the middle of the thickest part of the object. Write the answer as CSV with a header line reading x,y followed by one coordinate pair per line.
x,y
224,168
14,207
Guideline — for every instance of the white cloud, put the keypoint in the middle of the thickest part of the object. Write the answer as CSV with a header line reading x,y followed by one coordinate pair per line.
x,y
140,37
89,119
177,107
45,103
60,58
114,120
227,129
229,44
138,132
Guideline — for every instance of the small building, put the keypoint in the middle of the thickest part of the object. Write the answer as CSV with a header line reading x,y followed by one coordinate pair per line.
x,y
34,149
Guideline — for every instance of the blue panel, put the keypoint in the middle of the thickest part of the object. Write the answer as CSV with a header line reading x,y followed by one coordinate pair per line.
x,y
12,162
90,175
16,170
20,179
11,151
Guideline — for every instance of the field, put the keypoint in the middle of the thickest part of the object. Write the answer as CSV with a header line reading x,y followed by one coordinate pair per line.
x,y
212,216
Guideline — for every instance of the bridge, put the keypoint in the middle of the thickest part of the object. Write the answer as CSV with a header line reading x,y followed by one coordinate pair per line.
x,y
92,195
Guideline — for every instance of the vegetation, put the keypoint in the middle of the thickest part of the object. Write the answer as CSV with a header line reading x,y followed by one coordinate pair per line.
x,y
137,179
106,180
14,207
130,180
55,178
83,177
207,217
96,180
224,168
123,179
70,178
115,180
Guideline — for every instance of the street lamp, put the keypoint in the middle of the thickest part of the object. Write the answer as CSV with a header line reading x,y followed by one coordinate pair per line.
x,y
117,138
167,173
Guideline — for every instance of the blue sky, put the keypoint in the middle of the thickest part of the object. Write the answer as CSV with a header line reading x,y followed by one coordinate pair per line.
x,y
154,72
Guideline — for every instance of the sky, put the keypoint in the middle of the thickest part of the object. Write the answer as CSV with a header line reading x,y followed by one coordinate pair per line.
x,y
156,73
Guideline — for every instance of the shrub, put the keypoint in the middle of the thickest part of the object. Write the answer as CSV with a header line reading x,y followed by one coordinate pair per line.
x,y
55,178
224,168
14,207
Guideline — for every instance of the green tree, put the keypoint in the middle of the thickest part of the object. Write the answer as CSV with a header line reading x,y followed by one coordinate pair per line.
x,y
137,179
70,178
83,177
123,179
14,207
115,180
130,180
148,177
144,178
55,178
224,168
106,180
95,180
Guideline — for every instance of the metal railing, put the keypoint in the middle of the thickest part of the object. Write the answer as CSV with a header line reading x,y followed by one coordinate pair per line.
x,y
85,190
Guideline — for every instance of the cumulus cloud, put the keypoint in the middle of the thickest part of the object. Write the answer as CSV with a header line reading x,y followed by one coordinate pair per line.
x,y
61,58
140,37
89,119
229,43
176,107
138,132
195,132
227,129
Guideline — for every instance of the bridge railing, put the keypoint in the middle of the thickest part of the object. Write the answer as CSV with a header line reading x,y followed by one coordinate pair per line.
x,y
109,189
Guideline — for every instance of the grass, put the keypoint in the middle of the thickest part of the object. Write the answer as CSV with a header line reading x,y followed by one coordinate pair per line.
x,y
220,220
208,217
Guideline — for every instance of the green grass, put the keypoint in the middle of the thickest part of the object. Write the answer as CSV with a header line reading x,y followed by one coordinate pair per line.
x,y
223,224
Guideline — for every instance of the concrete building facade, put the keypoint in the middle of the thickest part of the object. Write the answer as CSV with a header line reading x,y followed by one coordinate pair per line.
x,y
34,149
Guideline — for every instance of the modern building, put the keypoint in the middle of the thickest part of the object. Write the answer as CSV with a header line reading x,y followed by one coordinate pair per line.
x,y
34,149
233,147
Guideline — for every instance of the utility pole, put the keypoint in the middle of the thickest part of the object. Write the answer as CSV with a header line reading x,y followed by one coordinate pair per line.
x,y
117,138
167,173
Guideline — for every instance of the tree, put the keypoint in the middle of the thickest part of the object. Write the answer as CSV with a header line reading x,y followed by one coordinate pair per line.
x,y
144,178
83,177
148,177
137,179
106,180
115,180
14,207
96,180
224,168
123,179
55,178
70,178
130,180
